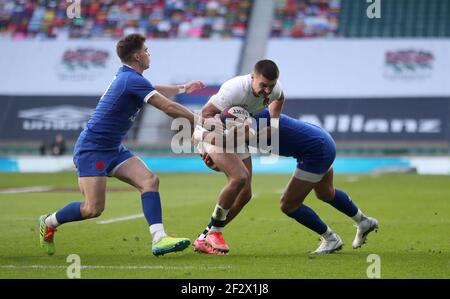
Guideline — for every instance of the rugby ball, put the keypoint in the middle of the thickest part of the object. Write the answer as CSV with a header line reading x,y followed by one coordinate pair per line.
x,y
236,113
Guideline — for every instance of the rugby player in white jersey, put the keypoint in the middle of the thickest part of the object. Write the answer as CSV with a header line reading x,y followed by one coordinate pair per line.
x,y
254,92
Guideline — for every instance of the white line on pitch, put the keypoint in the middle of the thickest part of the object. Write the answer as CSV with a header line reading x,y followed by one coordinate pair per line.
x,y
26,189
352,179
145,267
112,220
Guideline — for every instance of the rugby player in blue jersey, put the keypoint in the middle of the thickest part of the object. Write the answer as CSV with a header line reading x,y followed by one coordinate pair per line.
x,y
99,152
315,151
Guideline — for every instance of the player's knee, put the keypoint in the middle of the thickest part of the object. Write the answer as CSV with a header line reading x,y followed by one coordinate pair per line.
x,y
286,206
239,181
150,183
154,181
325,194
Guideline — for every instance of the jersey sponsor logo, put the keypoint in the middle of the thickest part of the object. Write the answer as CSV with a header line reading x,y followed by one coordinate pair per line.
x,y
59,118
357,123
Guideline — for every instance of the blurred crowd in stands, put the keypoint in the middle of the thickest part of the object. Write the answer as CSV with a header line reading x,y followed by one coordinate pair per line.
x,y
223,19
44,19
306,18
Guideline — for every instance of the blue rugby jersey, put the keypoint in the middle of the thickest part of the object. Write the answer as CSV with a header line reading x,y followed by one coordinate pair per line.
x,y
297,138
116,111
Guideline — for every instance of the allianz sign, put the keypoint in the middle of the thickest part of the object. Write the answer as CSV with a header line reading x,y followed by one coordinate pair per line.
x,y
343,123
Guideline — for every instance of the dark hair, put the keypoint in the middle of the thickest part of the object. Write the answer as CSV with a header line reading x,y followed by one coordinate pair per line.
x,y
268,69
128,45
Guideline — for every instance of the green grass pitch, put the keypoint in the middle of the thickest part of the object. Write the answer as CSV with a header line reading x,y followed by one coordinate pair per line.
x,y
413,240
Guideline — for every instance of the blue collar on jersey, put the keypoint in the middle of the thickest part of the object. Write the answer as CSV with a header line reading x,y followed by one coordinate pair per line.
x,y
129,67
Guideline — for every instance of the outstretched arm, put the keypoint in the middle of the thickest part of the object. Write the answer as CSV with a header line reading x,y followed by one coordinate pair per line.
x,y
172,90
171,108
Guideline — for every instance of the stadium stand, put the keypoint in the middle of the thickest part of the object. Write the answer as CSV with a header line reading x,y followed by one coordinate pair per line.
x,y
113,19
400,18
304,19
348,18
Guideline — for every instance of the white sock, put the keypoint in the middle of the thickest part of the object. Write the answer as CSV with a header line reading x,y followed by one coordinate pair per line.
x,y
328,235
203,235
216,229
51,221
157,231
359,217
219,214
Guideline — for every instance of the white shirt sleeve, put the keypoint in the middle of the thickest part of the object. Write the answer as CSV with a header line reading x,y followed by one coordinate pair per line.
x,y
228,95
149,95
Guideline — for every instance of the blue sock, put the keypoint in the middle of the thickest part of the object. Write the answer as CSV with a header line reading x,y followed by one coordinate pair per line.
x,y
151,205
306,216
69,213
343,203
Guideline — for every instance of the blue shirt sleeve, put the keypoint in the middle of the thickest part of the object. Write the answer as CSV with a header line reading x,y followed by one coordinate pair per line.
x,y
264,114
141,87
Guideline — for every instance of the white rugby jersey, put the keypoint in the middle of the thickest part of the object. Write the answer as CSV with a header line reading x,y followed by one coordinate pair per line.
x,y
238,92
